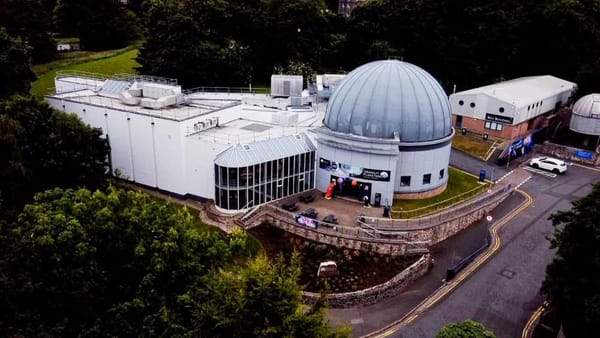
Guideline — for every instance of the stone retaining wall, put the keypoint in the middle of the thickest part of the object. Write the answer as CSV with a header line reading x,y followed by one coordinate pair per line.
x,y
376,293
566,153
408,240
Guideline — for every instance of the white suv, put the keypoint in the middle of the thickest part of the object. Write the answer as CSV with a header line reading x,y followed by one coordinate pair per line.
x,y
548,163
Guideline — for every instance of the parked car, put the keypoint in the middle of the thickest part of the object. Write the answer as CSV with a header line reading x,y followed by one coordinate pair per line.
x,y
548,163
310,213
330,219
290,206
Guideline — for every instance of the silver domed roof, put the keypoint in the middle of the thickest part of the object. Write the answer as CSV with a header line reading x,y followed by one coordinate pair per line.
x,y
588,105
381,97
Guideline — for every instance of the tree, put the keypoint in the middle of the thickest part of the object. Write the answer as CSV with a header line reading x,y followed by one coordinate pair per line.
x,y
14,66
99,24
28,20
192,41
464,329
49,149
571,284
122,263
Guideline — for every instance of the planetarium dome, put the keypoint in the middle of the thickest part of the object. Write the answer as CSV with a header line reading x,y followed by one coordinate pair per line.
x,y
586,115
588,105
383,97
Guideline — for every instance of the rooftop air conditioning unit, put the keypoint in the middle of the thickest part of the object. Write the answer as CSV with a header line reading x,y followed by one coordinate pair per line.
x,y
286,85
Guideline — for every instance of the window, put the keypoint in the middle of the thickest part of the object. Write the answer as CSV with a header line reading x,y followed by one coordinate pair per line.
x,y
461,102
441,174
405,181
426,178
501,109
472,104
493,125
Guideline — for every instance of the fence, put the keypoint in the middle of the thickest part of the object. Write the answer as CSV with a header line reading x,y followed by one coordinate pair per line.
x,y
437,206
420,223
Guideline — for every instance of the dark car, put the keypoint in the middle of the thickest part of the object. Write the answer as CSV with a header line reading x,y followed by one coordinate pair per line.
x,y
290,206
307,198
310,213
330,219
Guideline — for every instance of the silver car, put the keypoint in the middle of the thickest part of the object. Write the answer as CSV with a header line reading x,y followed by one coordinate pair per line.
x,y
548,163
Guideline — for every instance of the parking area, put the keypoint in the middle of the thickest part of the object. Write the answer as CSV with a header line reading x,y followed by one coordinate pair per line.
x,y
346,210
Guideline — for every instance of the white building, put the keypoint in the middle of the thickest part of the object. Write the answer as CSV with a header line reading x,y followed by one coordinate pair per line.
x,y
387,127
240,149
510,109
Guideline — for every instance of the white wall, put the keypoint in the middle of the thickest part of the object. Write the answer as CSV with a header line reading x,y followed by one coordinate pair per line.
x,y
144,153
418,163
357,159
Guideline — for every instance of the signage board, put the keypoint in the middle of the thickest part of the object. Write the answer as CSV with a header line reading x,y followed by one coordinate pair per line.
x,y
499,118
346,170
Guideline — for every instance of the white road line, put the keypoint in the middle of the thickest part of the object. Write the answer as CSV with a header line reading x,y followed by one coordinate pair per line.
x,y
539,171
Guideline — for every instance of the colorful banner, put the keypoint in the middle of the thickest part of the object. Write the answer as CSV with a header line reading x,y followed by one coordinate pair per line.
x,y
346,170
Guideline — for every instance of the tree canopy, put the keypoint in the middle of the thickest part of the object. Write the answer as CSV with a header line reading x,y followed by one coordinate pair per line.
x,y
99,24
464,329
121,263
571,284
46,148
465,43
28,20
14,66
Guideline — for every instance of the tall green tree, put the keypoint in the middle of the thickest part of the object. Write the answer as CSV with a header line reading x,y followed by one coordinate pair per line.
x,y
14,66
464,329
99,24
571,284
28,20
192,40
49,149
120,263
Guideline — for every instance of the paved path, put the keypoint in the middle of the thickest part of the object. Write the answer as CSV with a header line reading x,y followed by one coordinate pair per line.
x,y
366,319
504,292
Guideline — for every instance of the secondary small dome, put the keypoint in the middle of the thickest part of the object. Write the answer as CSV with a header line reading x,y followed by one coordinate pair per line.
x,y
588,105
383,97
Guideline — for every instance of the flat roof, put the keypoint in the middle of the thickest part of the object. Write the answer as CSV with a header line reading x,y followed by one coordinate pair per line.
x,y
524,90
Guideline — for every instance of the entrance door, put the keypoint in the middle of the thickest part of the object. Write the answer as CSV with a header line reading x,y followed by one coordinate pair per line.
x,y
347,187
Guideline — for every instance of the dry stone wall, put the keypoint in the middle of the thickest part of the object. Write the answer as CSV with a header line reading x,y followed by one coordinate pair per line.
x,y
376,293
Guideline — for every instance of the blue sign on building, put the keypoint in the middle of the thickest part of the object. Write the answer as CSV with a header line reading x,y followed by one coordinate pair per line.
x,y
584,154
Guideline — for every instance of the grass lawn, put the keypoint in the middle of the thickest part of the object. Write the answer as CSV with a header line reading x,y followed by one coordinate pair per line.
x,y
106,62
461,186
473,144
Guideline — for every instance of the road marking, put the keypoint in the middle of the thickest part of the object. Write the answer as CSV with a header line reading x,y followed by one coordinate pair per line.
x,y
470,269
539,171
530,325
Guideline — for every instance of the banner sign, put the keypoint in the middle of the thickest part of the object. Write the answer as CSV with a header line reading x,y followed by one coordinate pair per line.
x,y
499,118
584,154
307,222
346,170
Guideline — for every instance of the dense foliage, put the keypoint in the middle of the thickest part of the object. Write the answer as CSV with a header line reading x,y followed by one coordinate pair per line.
x,y
14,66
28,20
121,263
45,148
462,42
464,329
99,24
572,285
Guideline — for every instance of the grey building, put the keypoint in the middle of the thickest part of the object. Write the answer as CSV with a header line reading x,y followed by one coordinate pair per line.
x,y
388,128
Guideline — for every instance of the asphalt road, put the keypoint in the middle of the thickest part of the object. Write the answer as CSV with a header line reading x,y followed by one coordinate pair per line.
x,y
504,292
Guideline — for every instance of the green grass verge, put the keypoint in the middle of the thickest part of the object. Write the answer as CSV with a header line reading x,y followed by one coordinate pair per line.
x,y
461,186
473,144
106,62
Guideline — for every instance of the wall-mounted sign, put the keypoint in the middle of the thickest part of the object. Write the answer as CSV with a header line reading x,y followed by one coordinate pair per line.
x,y
584,154
346,170
499,118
